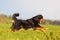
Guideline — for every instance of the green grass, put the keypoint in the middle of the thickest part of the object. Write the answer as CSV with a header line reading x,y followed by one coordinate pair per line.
x,y
53,33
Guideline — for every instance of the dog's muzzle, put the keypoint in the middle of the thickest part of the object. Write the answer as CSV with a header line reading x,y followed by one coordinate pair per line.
x,y
41,20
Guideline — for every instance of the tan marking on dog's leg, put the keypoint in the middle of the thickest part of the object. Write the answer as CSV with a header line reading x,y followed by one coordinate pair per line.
x,y
42,29
12,21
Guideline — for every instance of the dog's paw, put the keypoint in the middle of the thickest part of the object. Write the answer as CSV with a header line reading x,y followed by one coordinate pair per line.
x,y
44,29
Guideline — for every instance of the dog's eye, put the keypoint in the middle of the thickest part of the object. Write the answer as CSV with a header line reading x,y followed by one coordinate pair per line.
x,y
38,18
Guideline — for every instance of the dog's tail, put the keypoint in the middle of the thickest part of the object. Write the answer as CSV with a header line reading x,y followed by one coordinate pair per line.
x,y
14,16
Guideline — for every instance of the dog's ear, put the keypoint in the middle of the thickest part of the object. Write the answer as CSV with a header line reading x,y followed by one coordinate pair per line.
x,y
36,19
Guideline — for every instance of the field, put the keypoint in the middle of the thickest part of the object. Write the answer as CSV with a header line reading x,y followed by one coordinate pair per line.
x,y
53,33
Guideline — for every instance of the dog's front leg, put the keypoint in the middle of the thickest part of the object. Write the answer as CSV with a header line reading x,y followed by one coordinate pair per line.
x,y
41,28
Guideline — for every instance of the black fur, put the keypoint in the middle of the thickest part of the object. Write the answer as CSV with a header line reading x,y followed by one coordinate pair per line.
x,y
26,24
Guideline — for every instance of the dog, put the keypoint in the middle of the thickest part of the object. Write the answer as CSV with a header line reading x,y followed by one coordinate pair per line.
x,y
33,23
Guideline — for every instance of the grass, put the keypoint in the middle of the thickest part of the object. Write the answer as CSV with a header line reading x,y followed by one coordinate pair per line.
x,y
53,33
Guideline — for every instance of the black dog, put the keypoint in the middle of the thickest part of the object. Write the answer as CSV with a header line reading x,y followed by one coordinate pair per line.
x,y
26,24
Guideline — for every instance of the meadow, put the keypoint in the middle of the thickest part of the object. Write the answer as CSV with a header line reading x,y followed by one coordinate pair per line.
x,y
53,33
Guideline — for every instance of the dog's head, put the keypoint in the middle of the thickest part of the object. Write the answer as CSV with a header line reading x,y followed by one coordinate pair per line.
x,y
38,18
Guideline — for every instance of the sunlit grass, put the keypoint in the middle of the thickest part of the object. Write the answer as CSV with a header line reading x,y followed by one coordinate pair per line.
x,y
53,33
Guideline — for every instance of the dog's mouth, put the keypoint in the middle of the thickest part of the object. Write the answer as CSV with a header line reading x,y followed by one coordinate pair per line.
x,y
41,20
